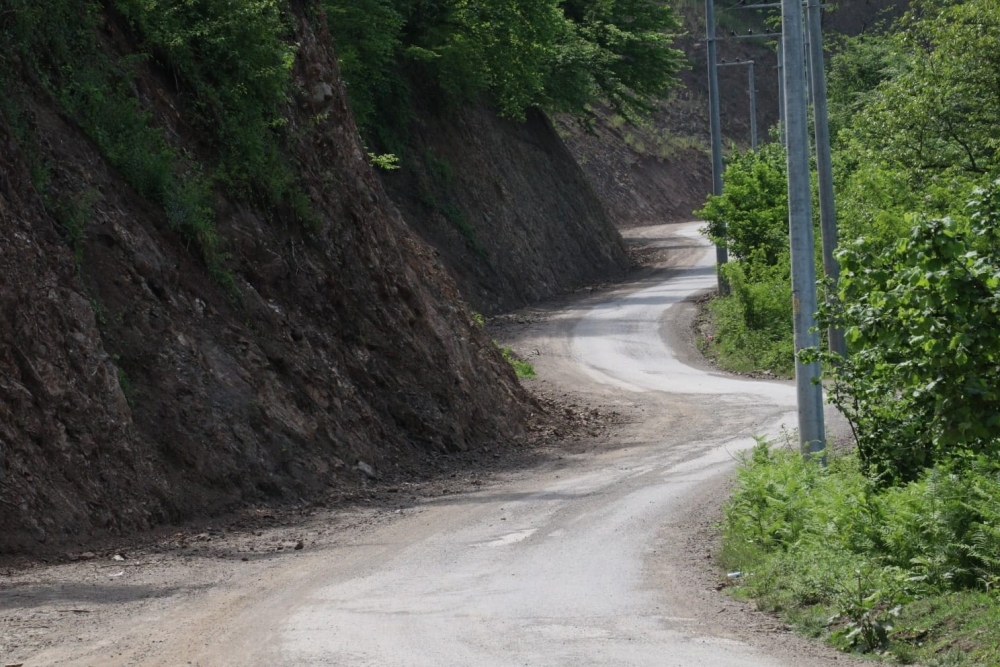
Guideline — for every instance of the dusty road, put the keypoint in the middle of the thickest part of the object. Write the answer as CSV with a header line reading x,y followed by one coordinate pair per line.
x,y
597,557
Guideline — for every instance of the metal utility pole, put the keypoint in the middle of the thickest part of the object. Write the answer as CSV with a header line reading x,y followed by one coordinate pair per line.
x,y
753,97
721,251
824,166
812,434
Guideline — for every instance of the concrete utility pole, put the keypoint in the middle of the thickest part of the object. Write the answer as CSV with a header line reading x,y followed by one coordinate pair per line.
x,y
721,251
824,166
812,434
753,109
781,98
753,97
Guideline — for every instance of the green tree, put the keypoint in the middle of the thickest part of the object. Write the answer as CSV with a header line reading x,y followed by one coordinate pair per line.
x,y
750,217
557,55
941,111
234,60
627,50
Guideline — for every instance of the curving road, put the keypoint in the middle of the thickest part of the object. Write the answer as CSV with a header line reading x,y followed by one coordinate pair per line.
x,y
573,564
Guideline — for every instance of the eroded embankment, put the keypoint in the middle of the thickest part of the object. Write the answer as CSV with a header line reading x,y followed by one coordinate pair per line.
x,y
135,389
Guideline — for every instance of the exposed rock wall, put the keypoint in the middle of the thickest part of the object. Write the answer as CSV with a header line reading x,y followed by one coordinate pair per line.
x,y
134,390
505,204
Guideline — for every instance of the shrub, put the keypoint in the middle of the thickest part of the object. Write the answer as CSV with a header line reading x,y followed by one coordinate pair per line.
x,y
750,217
59,41
923,322
753,325
558,55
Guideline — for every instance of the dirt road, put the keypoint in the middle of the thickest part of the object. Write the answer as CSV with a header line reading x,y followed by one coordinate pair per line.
x,y
596,557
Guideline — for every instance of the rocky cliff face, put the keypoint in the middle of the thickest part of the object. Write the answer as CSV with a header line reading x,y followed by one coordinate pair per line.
x,y
134,390
509,210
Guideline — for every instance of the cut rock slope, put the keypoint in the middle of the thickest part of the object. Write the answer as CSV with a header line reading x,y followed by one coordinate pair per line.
x,y
134,390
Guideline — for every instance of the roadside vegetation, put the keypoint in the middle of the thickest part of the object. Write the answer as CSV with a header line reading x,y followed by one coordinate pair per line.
x,y
893,549
522,369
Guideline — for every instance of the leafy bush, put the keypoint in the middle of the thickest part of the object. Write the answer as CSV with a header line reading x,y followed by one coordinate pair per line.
x,y
753,325
750,217
368,36
923,322
754,322
58,40
928,117
234,61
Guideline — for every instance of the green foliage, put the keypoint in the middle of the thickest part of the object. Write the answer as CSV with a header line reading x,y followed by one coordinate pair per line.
x,y
751,215
385,162
522,368
753,325
559,55
829,540
624,56
235,62
893,548
368,36
58,41
930,116
924,324
860,66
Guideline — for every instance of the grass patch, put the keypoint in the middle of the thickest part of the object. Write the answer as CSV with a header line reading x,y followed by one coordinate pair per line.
x,y
522,368
906,573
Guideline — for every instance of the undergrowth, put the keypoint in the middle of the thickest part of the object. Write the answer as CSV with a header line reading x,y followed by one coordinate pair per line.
x,y
752,327
907,572
58,42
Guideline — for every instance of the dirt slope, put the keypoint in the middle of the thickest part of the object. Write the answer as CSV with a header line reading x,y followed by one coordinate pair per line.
x,y
511,213
134,390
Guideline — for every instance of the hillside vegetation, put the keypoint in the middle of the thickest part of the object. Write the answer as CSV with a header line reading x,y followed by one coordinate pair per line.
x,y
555,55
893,549
208,299
458,94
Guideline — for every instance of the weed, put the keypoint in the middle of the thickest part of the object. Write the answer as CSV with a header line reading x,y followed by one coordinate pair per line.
x,y
72,213
522,369
125,384
386,162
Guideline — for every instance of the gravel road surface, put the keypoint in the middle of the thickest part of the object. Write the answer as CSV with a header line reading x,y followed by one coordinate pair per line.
x,y
599,556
